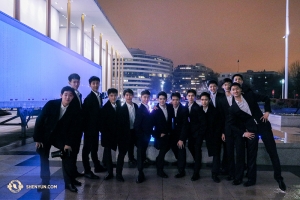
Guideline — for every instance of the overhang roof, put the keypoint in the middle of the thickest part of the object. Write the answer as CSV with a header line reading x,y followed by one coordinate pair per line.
x,y
94,16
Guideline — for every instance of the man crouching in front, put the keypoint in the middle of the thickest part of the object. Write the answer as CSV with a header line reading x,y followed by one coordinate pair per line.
x,y
56,125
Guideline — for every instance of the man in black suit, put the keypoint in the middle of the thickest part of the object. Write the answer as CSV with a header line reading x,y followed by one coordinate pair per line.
x,y
129,109
246,112
212,134
179,119
92,115
74,82
197,127
112,136
162,128
216,101
57,126
226,102
238,78
143,126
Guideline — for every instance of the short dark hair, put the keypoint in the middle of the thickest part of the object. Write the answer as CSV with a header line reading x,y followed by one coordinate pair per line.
x,y
240,75
236,84
145,92
127,91
112,90
192,91
226,80
212,82
94,78
175,94
205,94
73,76
67,89
162,93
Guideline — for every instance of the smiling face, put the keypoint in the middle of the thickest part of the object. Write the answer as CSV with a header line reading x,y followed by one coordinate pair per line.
x,y
236,91
112,97
213,88
175,101
128,98
74,83
145,99
95,85
66,98
238,79
226,86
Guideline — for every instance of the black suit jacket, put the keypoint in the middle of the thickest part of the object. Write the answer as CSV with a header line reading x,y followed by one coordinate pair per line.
x,y
197,125
46,124
224,112
161,124
239,121
143,123
213,130
125,120
110,125
218,100
92,113
180,123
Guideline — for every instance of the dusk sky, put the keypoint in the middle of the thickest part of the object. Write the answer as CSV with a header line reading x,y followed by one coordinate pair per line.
x,y
216,33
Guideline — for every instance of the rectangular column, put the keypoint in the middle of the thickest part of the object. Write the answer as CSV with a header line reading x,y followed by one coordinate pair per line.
x,y
17,10
68,43
106,65
82,36
92,42
48,18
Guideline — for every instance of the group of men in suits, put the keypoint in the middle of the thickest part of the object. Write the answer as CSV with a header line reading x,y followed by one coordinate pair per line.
x,y
231,120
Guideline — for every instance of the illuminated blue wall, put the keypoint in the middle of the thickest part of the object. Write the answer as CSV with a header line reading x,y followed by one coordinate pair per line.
x,y
32,66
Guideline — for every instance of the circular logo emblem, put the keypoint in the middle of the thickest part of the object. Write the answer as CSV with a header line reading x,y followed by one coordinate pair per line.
x,y
15,186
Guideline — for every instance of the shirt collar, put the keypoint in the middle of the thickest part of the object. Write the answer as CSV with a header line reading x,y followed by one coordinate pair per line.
x,y
97,94
63,107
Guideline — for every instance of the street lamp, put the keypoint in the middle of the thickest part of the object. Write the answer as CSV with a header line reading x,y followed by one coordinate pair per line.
x,y
282,92
162,85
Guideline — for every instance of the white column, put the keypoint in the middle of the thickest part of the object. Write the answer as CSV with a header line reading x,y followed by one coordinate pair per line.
x,y
82,36
92,42
68,43
48,18
287,32
106,65
111,65
100,49
17,9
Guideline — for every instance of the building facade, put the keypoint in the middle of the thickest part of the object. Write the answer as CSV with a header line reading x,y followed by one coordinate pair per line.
x,y
145,71
187,77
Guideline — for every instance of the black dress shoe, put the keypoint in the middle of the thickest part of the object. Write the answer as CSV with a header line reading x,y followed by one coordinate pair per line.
x,y
75,182
281,185
140,178
100,169
249,183
91,175
237,182
120,178
108,176
79,174
215,178
195,177
162,174
71,187
229,178
180,174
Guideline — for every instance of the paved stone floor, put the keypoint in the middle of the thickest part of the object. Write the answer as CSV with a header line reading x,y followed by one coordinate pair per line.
x,y
19,162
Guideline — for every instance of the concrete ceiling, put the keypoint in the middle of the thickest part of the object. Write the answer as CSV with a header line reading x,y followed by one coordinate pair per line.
x,y
94,15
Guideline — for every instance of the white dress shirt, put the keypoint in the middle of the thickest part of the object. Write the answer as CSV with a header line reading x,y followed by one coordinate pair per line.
x,y
114,106
205,109
190,106
229,99
243,105
213,98
98,97
62,110
175,111
146,106
165,111
131,111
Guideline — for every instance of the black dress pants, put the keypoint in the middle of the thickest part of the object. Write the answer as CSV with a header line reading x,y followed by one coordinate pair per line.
x,y
107,157
264,129
142,145
236,160
67,162
180,154
132,143
164,147
90,145
196,142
